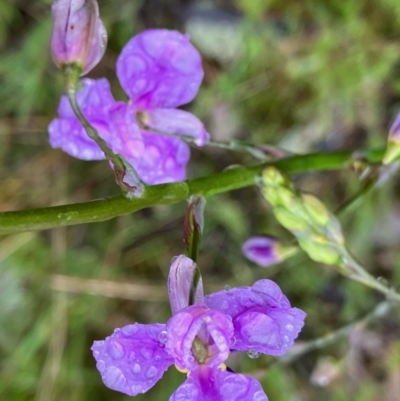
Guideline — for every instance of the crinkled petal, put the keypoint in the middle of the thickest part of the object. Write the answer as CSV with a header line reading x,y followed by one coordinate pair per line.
x,y
212,328
206,384
132,359
164,159
262,317
178,122
179,282
125,135
160,68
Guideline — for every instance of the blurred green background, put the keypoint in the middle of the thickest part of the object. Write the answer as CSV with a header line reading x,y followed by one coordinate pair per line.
x,y
305,75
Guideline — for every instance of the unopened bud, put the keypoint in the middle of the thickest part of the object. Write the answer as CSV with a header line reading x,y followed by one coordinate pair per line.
x,y
78,37
266,250
393,146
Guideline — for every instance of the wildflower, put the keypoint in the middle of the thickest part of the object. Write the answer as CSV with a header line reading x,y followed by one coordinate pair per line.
x,y
199,338
159,70
79,36
266,250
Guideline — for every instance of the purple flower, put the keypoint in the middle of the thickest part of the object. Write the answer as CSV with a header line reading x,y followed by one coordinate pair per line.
x,y
199,338
79,36
393,145
266,250
159,70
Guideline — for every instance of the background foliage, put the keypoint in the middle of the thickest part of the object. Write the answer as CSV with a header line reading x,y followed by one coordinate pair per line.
x,y
304,75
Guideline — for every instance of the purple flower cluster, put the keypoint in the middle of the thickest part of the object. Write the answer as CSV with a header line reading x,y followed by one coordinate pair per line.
x,y
199,338
159,70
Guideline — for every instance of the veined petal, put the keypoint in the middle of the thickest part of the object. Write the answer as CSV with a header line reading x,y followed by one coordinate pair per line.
x,y
178,122
207,384
164,159
262,317
199,336
179,281
160,68
133,358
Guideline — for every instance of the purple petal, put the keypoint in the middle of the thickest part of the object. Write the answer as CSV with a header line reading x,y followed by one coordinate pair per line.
x,y
164,159
94,98
213,329
178,122
125,135
160,68
262,250
262,317
67,133
78,33
133,358
206,384
179,281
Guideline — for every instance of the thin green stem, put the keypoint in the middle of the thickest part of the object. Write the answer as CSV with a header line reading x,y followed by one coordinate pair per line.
x,y
131,187
228,180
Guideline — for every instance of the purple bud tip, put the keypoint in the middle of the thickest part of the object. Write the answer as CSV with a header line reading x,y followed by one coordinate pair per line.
x,y
79,36
262,250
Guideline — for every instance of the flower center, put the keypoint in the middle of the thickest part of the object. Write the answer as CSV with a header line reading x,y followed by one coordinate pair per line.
x,y
199,351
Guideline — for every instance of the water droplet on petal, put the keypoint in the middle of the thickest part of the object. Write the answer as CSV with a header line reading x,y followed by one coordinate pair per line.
x,y
162,337
96,354
116,330
116,350
130,329
114,378
146,353
253,354
224,305
151,372
289,327
260,396
291,318
233,341
286,339
157,358
136,388
136,368
173,259
227,287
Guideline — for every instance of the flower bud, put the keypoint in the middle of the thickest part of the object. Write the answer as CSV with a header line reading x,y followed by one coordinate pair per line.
x,y
393,146
266,250
78,36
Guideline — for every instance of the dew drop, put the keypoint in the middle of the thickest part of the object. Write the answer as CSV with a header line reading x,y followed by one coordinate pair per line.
x,y
227,287
289,327
259,396
96,354
253,354
136,368
146,353
130,329
136,389
233,341
174,259
116,350
225,305
116,330
286,339
157,358
291,318
151,372
162,337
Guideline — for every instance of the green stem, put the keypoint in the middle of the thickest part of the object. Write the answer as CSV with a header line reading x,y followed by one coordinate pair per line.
x,y
121,167
228,180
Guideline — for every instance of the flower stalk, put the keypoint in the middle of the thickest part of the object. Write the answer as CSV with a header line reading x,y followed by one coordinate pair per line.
x,y
125,175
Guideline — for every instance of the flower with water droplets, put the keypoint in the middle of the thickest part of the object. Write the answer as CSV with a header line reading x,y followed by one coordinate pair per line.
x,y
199,338
159,70
79,37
